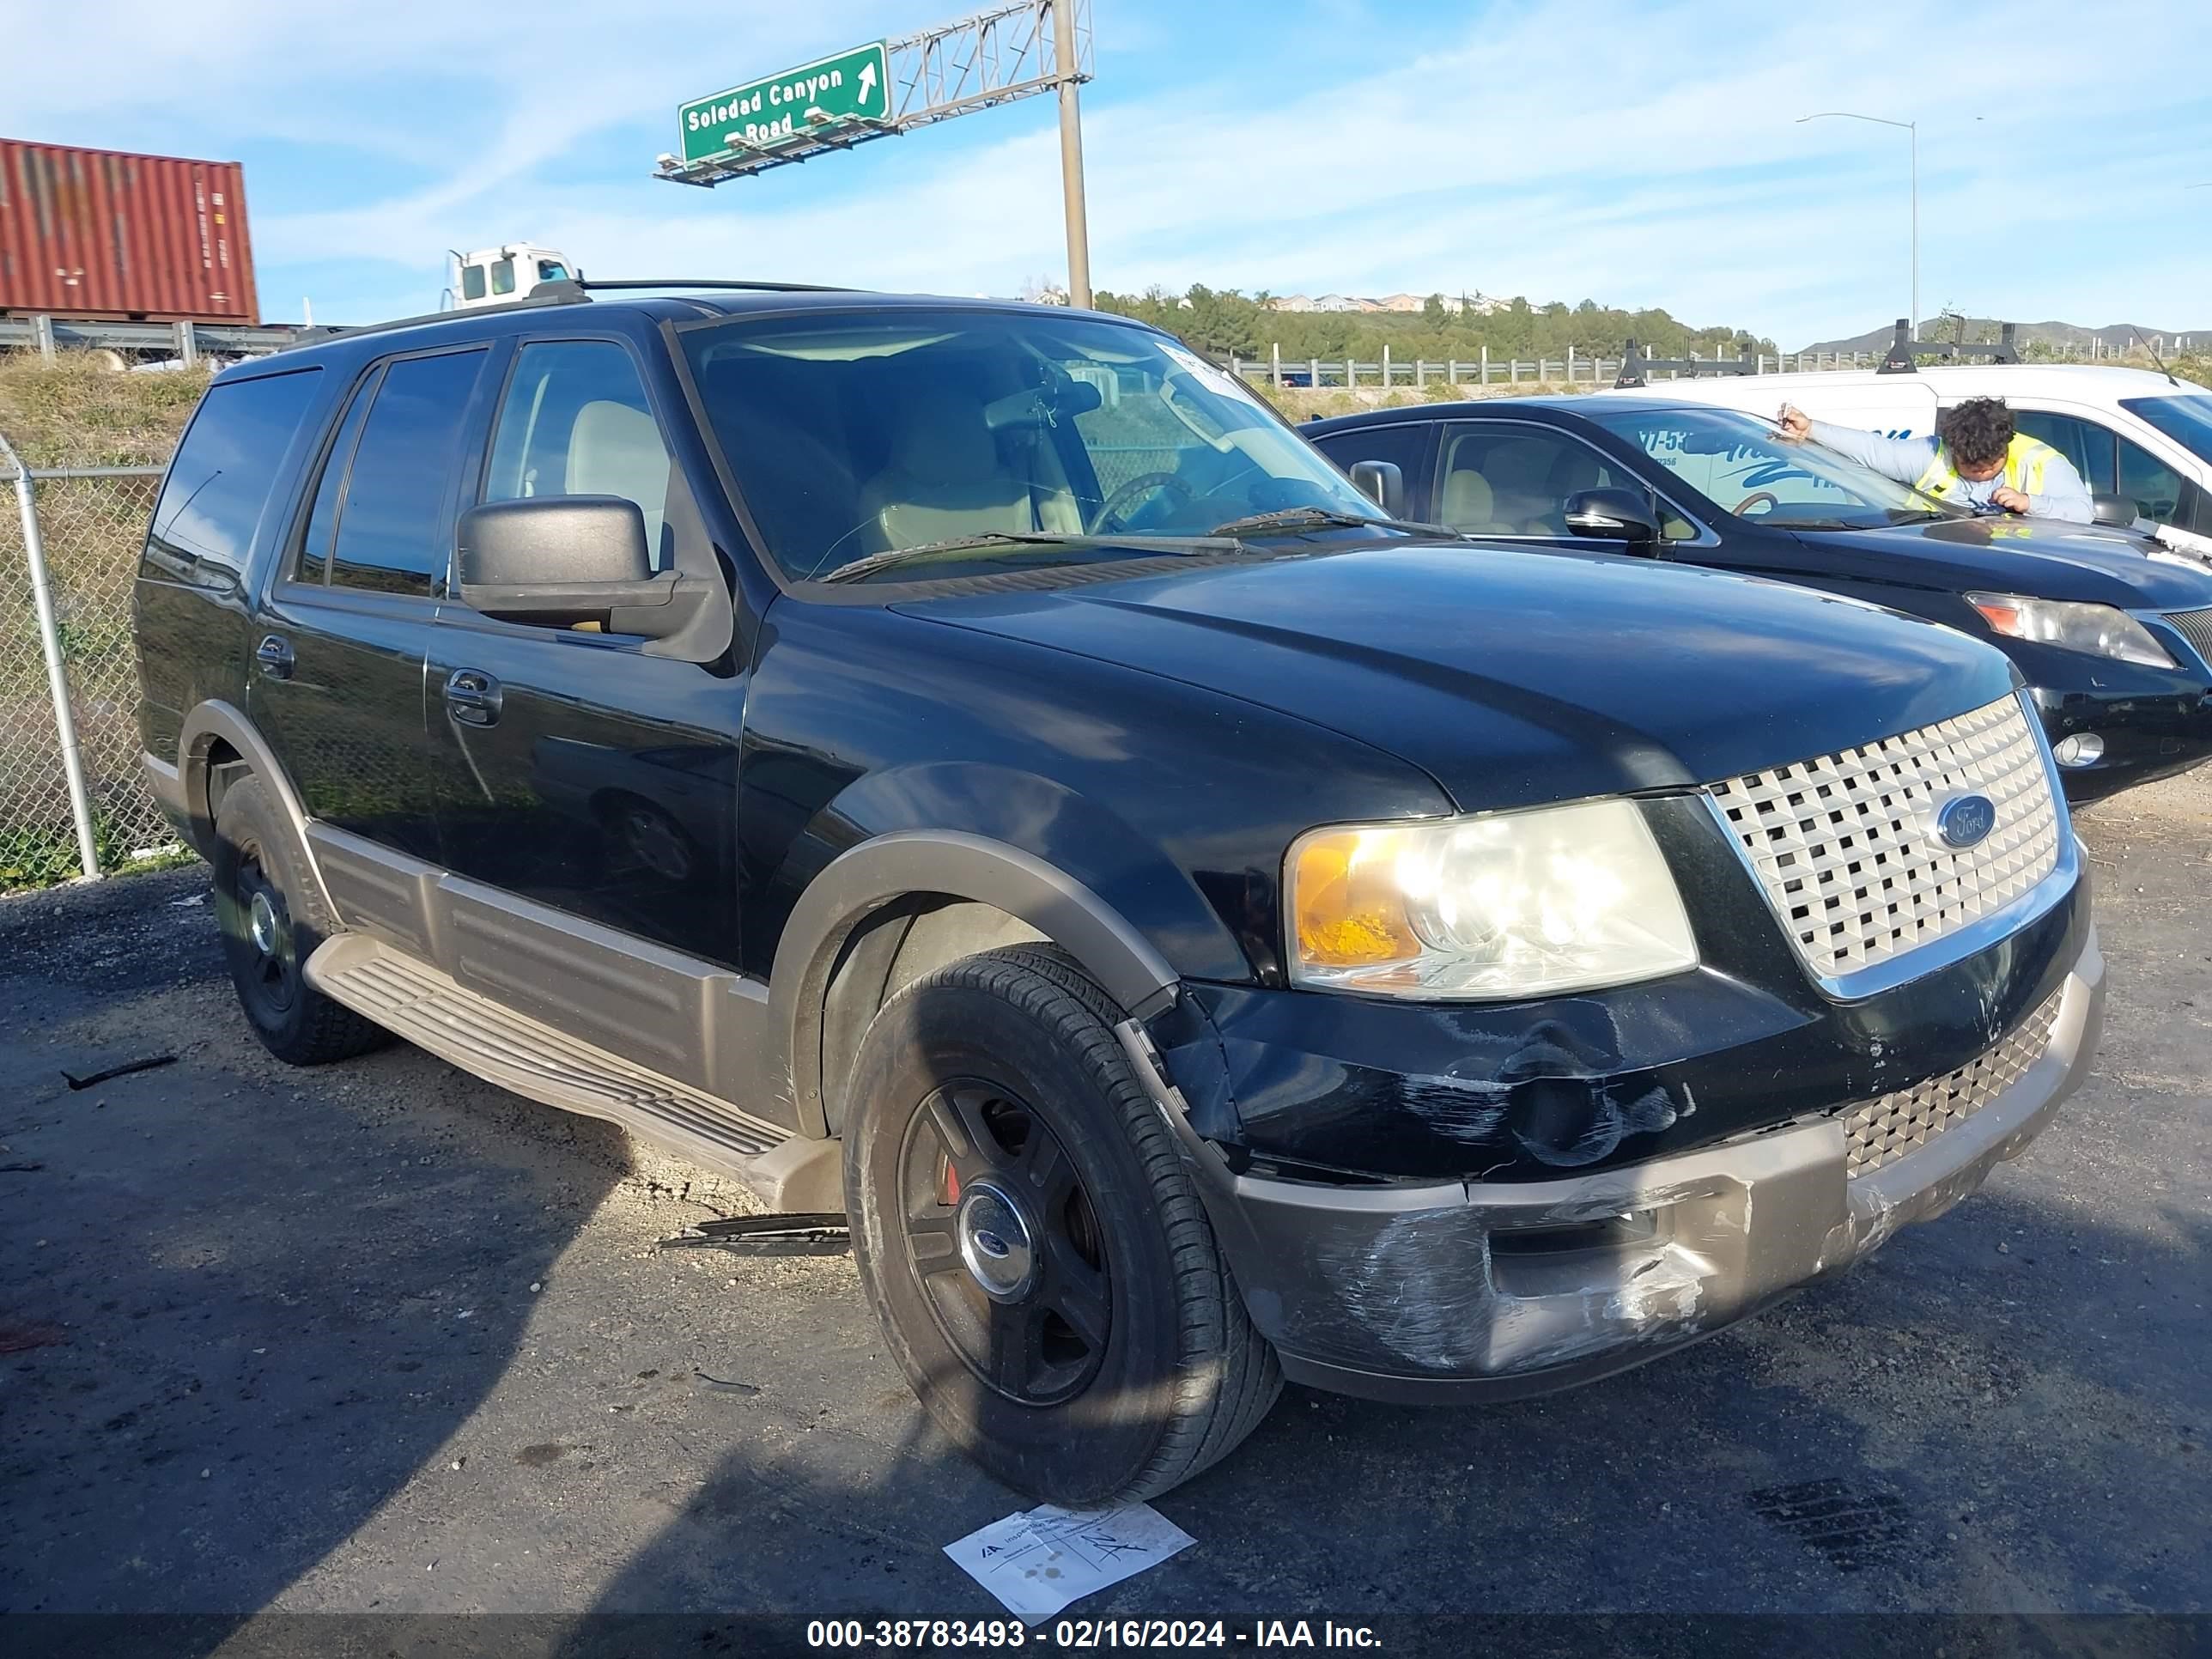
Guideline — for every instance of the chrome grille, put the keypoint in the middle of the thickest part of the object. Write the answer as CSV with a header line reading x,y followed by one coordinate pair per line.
x,y
1884,1130
1845,845
2196,626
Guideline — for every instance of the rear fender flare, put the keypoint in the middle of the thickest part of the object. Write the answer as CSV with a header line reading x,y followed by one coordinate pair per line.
x,y
217,721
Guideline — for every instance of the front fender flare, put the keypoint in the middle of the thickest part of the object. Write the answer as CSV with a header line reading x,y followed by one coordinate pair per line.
x,y
862,880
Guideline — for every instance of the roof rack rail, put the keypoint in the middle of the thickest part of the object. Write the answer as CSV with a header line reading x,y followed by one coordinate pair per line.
x,y
1903,348
580,287
1635,365
537,296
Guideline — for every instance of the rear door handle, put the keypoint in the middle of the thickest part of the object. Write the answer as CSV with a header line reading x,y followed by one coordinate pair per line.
x,y
472,698
274,653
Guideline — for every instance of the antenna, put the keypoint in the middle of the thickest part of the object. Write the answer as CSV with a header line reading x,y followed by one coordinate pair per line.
x,y
2145,344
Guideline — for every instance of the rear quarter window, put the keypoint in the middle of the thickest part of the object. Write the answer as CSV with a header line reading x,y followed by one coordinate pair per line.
x,y
219,485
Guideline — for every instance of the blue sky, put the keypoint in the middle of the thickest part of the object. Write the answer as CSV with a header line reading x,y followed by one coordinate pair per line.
x,y
1632,153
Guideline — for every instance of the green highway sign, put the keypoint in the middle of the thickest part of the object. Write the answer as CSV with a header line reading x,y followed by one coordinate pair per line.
x,y
762,115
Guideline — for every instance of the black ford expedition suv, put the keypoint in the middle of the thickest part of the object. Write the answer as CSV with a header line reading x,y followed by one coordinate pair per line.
x,y
973,766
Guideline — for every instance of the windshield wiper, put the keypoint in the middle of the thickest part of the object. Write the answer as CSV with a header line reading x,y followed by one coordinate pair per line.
x,y
861,568
1325,518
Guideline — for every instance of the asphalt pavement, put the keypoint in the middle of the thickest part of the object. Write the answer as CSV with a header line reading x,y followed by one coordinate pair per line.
x,y
381,1337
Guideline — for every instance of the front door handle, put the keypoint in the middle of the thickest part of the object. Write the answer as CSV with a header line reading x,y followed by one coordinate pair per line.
x,y
472,698
274,653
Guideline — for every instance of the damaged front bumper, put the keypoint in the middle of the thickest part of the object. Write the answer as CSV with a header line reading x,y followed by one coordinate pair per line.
x,y
1469,1290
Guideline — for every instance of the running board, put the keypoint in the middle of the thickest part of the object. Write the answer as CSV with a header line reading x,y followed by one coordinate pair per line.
x,y
412,1000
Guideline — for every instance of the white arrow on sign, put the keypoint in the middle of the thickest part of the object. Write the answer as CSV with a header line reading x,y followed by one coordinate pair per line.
x,y
867,81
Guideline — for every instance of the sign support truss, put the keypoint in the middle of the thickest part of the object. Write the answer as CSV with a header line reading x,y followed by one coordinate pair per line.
x,y
993,58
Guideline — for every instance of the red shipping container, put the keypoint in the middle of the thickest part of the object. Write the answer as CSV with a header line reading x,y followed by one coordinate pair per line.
x,y
102,234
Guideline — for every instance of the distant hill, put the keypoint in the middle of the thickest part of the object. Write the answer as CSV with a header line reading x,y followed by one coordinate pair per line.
x,y
2114,337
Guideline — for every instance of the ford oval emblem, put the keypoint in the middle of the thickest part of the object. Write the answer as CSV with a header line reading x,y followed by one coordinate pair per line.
x,y
991,1244
1966,821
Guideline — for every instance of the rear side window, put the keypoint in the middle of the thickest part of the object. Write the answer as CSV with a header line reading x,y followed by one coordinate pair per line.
x,y
575,421
391,519
315,547
220,482
2088,445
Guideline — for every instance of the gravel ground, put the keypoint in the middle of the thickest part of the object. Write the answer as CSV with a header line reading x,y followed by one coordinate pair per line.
x,y
382,1337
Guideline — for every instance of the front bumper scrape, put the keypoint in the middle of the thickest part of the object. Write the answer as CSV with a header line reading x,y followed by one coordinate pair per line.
x,y
1467,1291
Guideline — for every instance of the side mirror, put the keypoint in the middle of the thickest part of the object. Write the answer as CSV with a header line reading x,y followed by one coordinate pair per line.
x,y
1612,516
1381,483
561,560
2121,510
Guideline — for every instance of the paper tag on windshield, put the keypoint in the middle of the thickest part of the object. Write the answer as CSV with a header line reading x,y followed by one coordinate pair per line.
x,y
1183,357
1039,1561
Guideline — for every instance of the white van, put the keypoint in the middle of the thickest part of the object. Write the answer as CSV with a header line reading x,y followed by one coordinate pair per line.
x,y
2129,432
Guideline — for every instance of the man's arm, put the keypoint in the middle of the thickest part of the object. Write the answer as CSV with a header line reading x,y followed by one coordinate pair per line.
x,y
1902,459
2065,495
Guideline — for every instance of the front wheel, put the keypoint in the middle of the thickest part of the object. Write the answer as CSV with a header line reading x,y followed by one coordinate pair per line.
x,y
1038,1254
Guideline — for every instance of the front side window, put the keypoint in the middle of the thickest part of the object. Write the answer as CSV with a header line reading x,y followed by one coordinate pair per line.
x,y
502,276
220,482
860,435
391,519
2186,419
2154,487
575,421
552,270
1740,467
1516,480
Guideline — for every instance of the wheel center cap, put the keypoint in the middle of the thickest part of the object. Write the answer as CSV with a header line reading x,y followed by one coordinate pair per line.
x,y
996,1244
263,922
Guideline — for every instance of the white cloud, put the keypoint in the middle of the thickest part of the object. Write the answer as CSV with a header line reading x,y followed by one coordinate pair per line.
x,y
1634,153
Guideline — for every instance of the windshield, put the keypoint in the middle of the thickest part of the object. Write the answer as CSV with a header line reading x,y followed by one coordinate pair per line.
x,y
2187,421
1738,464
853,436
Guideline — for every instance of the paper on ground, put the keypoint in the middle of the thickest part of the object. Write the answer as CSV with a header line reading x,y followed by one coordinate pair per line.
x,y
1040,1560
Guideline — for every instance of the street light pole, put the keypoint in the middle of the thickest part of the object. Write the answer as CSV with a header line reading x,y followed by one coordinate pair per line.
x,y
1067,60
1913,128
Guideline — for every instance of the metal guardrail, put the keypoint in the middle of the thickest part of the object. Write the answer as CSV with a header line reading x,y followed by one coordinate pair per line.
x,y
187,341
1300,373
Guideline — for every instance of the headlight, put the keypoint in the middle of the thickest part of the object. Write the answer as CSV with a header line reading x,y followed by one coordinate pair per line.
x,y
1518,904
2102,630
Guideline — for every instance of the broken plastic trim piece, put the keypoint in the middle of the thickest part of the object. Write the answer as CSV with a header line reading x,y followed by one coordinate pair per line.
x,y
814,1233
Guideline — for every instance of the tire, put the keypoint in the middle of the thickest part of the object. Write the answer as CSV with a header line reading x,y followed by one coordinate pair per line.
x,y
257,859
1080,1388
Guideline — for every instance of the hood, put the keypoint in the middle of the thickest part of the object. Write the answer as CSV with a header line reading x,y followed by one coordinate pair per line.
x,y
1517,679
2051,561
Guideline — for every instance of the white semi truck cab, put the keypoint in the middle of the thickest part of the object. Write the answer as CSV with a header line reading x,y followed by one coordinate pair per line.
x,y
494,276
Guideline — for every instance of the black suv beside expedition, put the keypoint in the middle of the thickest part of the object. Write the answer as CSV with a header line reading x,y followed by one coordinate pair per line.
x,y
2112,631
971,765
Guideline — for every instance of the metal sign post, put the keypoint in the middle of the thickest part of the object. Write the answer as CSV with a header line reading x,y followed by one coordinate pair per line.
x,y
1015,50
1070,155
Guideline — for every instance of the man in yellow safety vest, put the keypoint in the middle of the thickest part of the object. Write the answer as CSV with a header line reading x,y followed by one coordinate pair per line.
x,y
1976,460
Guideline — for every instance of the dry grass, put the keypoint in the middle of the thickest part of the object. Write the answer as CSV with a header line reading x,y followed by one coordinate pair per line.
x,y
78,411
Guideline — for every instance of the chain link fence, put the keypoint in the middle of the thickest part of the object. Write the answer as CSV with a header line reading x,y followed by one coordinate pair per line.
x,y
90,523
